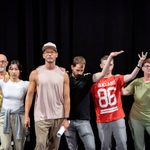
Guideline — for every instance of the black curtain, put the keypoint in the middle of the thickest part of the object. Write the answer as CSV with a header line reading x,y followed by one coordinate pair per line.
x,y
90,28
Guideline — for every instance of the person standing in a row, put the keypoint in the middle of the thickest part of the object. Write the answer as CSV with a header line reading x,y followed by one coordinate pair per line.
x,y
139,118
52,102
12,112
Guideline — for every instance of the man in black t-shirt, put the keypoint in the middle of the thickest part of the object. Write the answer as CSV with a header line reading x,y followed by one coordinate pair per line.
x,y
80,85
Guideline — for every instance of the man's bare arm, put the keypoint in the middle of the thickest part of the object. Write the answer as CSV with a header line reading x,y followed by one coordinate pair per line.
x,y
65,123
66,96
29,96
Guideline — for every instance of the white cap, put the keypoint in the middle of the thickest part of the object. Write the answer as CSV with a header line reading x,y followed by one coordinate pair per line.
x,y
49,45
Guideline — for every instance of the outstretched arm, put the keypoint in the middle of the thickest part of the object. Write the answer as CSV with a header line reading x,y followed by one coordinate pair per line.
x,y
134,73
99,75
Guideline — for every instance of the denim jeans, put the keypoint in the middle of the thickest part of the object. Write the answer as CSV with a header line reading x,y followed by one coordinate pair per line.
x,y
85,132
115,128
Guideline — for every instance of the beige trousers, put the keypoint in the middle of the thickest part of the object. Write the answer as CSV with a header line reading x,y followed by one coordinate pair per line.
x,y
46,131
7,138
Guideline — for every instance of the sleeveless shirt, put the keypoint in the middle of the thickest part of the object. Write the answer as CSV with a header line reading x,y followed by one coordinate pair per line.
x,y
49,101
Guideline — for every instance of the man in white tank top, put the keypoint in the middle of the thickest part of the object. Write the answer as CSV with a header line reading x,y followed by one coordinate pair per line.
x,y
52,102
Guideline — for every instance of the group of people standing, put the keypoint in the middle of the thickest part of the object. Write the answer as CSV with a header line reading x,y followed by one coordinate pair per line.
x,y
63,99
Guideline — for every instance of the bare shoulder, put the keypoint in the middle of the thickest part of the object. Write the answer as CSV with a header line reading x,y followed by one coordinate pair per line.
x,y
33,72
33,75
62,69
66,77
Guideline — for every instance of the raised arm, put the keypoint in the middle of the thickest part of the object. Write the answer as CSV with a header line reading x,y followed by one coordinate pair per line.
x,y
99,75
29,97
134,73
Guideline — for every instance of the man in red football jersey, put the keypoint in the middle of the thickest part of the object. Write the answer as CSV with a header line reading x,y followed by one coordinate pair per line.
x,y
108,105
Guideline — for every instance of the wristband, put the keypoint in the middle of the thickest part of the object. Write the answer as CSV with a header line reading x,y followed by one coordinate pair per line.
x,y
138,67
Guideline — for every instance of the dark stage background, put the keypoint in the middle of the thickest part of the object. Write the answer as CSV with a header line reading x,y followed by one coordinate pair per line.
x,y
90,28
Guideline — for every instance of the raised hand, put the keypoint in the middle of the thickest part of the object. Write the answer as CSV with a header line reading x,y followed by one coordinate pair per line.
x,y
142,57
113,54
